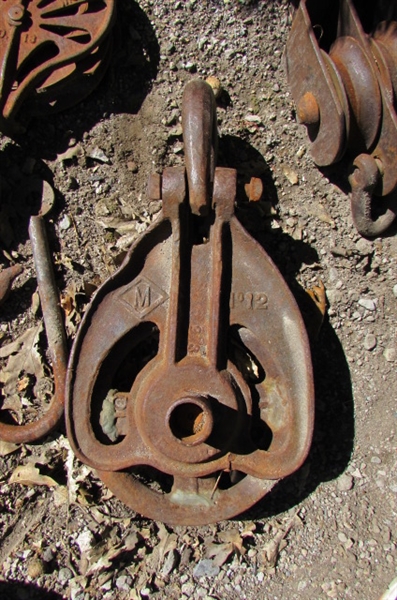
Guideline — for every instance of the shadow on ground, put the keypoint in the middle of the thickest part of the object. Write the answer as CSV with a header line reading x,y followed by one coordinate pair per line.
x,y
20,591
334,410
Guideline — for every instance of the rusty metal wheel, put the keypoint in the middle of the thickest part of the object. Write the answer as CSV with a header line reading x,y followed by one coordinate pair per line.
x,y
189,385
46,44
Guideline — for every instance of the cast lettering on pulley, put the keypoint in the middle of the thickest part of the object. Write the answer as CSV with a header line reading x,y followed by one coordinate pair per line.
x,y
249,300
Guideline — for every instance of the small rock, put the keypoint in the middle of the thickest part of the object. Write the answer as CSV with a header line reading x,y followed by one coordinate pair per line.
x,y
205,568
291,175
253,119
85,541
35,568
301,152
48,555
216,85
188,589
123,583
367,303
65,223
132,166
370,342
364,247
64,575
342,537
390,354
376,460
72,183
98,155
345,483
395,290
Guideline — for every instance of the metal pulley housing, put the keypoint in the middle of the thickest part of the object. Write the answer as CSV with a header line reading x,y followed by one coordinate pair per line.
x,y
342,64
190,384
52,53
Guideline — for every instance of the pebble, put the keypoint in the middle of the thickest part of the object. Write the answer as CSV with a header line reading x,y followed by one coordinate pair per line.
x,y
376,460
123,583
345,483
370,341
65,223
35,568
390,354
48,555
98,155
395,290
64,575
188,589
364,247
169,563
132,166
367,303
342,537
215,84
205,568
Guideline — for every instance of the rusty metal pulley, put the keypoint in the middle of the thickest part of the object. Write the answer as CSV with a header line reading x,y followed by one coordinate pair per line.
x,y
342,65
52,53
189,385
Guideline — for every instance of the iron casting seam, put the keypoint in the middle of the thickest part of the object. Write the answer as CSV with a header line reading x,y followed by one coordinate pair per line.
x,y
49,298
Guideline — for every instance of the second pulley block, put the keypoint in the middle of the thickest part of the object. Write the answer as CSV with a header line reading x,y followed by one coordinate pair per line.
x,y
52,53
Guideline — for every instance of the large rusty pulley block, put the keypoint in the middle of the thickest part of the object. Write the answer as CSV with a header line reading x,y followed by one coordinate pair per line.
x,y
52,53
190,385
342,65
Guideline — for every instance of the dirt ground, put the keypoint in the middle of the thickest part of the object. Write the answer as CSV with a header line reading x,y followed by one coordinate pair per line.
x,y
329,530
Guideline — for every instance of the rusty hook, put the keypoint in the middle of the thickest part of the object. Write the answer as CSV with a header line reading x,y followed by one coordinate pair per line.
x,y
53,321
363,181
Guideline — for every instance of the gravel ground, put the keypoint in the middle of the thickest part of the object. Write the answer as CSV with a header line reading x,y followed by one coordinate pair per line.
x,y
328,531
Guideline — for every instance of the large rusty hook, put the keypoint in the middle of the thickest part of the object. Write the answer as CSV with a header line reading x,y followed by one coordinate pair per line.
x,y
49,298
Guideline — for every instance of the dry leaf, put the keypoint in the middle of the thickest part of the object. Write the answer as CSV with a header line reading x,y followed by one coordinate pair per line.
x,y
219,553
30,475
168,542
100,560
24,357
7,448
233,537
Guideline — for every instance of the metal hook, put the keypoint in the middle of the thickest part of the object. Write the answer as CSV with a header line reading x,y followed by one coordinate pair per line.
x,y
363,181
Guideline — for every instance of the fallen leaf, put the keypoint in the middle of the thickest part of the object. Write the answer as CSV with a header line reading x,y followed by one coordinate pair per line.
x,y
30,475
219,553
7,448
24,357
101,557
233,537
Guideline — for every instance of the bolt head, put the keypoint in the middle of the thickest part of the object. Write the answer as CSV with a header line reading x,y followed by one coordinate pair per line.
x,y
16,12
308,110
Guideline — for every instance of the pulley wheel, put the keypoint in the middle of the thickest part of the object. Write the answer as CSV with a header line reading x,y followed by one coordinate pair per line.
x,y
47,45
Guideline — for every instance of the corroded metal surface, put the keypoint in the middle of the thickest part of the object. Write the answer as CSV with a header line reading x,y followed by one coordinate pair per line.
x,y
53,321
344,84
190,386
52,53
